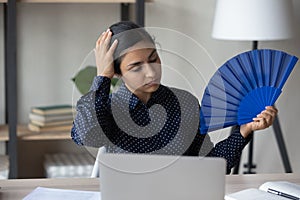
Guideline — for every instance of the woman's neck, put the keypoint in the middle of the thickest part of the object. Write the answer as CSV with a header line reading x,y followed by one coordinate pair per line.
x,y
143,96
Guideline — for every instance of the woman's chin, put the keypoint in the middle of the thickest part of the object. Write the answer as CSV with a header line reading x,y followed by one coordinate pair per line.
x,y
151,87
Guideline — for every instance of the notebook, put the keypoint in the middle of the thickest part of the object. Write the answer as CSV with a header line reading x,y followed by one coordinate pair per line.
x,y
148,177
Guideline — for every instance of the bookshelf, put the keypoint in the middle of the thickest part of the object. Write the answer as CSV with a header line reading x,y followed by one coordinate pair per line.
x,y
74,1
12,132
24,134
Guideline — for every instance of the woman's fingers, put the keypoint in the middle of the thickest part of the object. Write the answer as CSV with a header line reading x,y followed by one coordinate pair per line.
x,y
107,38
112,48
99,40
104,54
259,123
272,110
265,118
269,114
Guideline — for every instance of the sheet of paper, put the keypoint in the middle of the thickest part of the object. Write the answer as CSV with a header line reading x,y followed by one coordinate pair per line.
x,y
253,194
61,194
282,186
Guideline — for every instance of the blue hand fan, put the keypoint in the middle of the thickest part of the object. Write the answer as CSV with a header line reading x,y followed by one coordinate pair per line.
x,y
242,88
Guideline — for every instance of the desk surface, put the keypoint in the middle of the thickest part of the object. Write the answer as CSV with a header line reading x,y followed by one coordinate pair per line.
x,y
19,188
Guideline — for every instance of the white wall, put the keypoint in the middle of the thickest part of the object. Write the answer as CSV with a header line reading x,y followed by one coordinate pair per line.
x,y
53,39
195,19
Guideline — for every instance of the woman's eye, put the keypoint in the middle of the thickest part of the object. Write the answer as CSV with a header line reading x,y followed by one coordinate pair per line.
x,y
153,59
136,68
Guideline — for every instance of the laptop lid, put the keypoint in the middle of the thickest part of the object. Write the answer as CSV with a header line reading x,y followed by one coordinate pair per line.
x,y
149,177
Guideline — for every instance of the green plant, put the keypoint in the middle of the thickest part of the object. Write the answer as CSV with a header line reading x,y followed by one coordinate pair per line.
x,y
84,78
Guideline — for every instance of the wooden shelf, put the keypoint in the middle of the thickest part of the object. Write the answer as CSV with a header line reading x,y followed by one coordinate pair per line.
x,y
75,1
25,134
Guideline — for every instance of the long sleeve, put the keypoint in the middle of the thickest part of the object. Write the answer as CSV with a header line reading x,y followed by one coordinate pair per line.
x,y
230,148
95,126
86,129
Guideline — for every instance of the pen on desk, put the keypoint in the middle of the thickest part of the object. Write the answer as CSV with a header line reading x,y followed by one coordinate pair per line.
x,y
282,194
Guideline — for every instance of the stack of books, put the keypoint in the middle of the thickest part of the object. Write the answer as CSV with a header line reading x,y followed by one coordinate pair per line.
x,y
51,118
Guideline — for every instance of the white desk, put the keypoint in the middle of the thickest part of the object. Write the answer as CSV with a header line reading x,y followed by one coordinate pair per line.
x,y
235,183
19,188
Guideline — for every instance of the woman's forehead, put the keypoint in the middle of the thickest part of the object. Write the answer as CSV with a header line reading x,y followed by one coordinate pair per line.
x,y
138,47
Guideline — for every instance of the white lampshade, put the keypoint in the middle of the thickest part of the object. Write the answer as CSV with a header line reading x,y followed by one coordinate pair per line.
x,y
258,20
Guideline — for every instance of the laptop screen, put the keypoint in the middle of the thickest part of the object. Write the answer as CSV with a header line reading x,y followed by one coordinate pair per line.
x,y
148,177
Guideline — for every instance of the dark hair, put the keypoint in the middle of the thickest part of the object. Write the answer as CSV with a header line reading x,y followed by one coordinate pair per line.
x,y
128,34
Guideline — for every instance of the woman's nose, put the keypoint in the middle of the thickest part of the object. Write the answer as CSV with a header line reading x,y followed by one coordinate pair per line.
x,y
150,70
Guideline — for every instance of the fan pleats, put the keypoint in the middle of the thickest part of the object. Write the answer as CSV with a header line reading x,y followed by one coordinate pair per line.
x,y
243,86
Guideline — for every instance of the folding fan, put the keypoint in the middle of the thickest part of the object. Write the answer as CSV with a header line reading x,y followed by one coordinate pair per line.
x,y
242,88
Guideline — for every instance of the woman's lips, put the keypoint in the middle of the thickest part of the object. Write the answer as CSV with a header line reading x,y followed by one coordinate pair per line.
x,y
151,83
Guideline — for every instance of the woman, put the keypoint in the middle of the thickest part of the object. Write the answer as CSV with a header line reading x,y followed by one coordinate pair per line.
x,y
144,116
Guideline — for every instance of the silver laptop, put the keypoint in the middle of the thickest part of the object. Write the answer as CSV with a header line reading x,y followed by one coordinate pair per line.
x,y
157,177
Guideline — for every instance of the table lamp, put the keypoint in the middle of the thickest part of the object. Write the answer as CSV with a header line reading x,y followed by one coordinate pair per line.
x,y
255,20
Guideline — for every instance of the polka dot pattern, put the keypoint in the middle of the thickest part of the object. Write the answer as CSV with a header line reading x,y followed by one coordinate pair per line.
x,y
167,124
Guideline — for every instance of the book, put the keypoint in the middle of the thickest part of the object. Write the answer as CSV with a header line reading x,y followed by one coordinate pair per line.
x,y
50,118
57,194
53,109
275,190
52,123
37,128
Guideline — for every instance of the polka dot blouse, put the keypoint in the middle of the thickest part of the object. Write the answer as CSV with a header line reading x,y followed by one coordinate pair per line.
x,y
167,124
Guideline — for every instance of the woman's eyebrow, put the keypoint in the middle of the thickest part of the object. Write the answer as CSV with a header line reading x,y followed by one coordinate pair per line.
x,y
140,62
151,54
134,64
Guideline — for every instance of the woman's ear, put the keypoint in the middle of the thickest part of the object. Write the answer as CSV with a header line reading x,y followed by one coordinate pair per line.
x,y
118,75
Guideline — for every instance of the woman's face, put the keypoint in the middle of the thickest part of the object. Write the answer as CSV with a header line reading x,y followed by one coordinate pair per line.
x,y
141,70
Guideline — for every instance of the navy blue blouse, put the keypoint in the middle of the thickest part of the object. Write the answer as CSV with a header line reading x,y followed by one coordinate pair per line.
x,y
167,124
